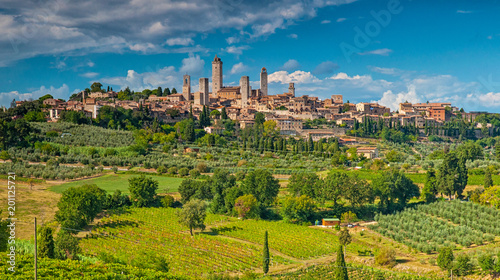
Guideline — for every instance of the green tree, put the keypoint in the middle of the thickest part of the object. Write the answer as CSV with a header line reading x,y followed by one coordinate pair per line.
x,y
332,187
303,184
193,215
265,255
430,189
246,206
394,188
47,96
223,113
491,197
445,258
298,208
340,265
4,234
96,87
452,177
486,262
142,190
260,118
488,181
345,237
462,265
66,246
79,206
262,185
46,243
166,92
174,91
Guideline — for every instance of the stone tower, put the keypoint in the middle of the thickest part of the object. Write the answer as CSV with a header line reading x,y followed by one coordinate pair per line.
x,y
216,75
244,90
291,89
263,81
186,87
204,98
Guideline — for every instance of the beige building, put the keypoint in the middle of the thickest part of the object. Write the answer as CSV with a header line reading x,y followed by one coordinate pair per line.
x,y
368,152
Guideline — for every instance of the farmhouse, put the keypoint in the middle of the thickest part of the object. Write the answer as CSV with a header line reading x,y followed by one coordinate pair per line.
x,y
191,149
330,222
368,152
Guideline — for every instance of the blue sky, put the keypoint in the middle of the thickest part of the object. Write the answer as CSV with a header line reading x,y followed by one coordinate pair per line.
x,y
385,51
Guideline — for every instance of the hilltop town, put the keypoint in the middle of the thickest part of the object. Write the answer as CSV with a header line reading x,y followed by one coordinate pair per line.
x,y
289,110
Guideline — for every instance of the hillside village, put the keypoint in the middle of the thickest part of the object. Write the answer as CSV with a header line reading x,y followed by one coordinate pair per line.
x,y
287,109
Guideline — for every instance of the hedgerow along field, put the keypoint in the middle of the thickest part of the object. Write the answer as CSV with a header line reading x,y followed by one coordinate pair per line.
x,y
157,231
431,226
112,182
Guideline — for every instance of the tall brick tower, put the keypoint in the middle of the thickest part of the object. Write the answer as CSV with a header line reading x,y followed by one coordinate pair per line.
x,y
205,100
186,87
216,75
291,89
244,90
263,81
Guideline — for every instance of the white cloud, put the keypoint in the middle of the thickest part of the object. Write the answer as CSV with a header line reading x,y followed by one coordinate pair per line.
x,y
238,68
463,12
298,77
164,77
192,65
325,21
142,47
89,74
90,64
293,36
341,19
344,76
61,92
237,50
490,99
179,41
291,65
232,40
384,52
392,100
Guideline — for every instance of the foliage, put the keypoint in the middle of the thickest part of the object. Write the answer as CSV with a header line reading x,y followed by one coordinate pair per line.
x,y
452,176
246,206
79,206
167,201
349,217
261,184
345,237
491,196
462,265
298,209
193,215
341,269
265,255
46,243
66,246
394,188
386,257
142,191
303,184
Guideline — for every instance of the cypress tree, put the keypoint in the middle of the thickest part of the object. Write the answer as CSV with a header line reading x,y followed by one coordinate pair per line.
x,y
340,266
265,256
488,182
46,243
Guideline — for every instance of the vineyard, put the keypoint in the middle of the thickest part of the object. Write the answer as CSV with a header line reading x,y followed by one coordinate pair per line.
x,y
429,227
293,240
356,272
156,232
69,269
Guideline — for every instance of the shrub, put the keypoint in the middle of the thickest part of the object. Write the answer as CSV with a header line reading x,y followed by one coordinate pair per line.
x,y
162,169
194,173
167,201
172,170
386,256
183,172
202,167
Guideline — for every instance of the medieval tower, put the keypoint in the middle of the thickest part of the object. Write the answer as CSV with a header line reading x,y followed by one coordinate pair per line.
x,y
263,81
186,87
216,75
204,98
291,89
244,90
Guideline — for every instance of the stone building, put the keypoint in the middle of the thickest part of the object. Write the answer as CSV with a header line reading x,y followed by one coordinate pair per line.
x,y
201,97
244,90
186,87
291,89
216,76
263,81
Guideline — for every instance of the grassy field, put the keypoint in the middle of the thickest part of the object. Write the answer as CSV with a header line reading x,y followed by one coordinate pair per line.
x,y
112,182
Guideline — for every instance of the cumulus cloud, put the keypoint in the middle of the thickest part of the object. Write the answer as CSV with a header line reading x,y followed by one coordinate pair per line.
x,y
60,92
192,65
384,52
237,50
325,21
463,12
238,68
341,19
291,65
30,28
293,36
299,77
164,77
326,67
179,41
391,100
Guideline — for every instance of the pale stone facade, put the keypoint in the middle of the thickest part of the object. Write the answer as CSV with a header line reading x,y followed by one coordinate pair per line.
x,y
216,75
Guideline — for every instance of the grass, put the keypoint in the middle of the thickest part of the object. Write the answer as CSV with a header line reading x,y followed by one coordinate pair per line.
x,y
112,182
